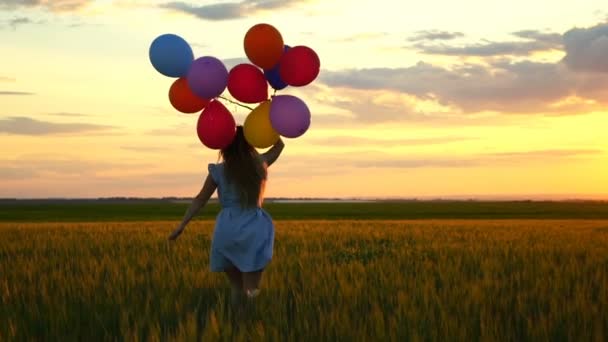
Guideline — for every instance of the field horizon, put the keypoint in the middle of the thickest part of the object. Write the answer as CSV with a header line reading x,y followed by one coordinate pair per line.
x,y
173,209
462,197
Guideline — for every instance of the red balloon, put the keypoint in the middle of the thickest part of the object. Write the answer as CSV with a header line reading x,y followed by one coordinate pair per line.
x,y
183,99
263,45
299,66
247,84
216,127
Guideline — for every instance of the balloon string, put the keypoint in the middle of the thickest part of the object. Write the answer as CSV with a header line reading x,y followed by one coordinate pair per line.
x,y
234,102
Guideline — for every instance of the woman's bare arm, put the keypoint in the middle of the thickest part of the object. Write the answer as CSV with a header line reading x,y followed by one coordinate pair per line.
x,y
197,203
273,154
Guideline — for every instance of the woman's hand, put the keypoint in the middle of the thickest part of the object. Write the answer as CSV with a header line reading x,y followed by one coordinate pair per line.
x,y
197,203
177,232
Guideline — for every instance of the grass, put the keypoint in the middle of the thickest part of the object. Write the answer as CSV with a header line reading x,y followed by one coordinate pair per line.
x,y
361,280
81,211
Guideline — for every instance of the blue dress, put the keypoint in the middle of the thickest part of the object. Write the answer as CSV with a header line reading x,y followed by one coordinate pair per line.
x,y
242,238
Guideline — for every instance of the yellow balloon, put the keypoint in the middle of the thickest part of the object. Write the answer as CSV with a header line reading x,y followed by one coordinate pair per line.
x,y
258,129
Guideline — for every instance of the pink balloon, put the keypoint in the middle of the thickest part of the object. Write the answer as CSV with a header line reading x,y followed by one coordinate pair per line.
x,y
299,66
216,127
247,84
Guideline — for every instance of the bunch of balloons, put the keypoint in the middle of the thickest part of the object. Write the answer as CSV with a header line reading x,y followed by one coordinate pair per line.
x,y
200,83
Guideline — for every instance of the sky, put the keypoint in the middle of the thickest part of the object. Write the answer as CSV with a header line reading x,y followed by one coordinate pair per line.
x,y
430,99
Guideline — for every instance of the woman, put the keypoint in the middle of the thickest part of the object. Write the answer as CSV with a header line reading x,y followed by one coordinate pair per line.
x,y
243,237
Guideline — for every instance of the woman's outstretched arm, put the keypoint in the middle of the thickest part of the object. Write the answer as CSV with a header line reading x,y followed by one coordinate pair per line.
x,y
197,203
274,152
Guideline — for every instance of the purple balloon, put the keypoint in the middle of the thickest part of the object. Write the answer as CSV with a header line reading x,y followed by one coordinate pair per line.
x,y
289,116
208,77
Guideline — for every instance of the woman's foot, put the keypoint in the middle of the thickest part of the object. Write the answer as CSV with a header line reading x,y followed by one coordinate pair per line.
x,y
252,293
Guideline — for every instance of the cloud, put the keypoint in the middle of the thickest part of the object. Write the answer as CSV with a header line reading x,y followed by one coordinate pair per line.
x,y
487,49
366,118
340,163
15,93
28,126
470,87
524,87
142,184
587,48
363,36
52,5
434,35
331,164
17,21
548,37
341,106
199,45
62,167
10,172
145,149
44,175
417,163
228,10
358,141
546,153
533,41
66,114
503,83
232,62
177,130
368,107
221,11
79,24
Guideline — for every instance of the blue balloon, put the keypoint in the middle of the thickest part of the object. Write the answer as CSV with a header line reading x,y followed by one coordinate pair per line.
x,y
171,55
273,77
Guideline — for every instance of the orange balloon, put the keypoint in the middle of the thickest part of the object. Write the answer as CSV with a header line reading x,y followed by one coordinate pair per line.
x,y
264,45
183,99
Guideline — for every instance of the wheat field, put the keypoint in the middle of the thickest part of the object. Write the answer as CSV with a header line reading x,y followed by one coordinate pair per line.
x,y
419,280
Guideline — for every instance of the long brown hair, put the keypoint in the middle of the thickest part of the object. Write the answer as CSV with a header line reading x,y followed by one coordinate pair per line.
x,y
244,169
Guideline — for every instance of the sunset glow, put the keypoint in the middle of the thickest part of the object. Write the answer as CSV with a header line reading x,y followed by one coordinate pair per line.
x,y
470,98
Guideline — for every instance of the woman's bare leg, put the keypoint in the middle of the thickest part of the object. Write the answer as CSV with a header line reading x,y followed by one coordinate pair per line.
x,y
236,284
251,283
